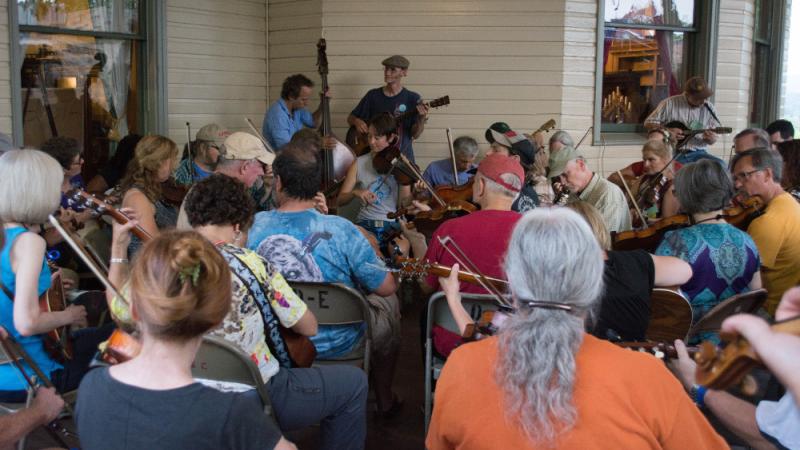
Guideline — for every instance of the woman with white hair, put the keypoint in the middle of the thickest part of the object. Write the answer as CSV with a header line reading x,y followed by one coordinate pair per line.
x,y
543,382
30,181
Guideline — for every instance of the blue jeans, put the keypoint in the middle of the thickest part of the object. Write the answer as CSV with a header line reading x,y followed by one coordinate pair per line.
x,y
691,156
334,396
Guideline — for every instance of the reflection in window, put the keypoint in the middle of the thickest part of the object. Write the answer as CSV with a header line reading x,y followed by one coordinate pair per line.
x,y
650,12
80,86
642,65
120,16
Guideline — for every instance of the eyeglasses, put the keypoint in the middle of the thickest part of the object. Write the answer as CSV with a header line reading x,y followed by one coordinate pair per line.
x,y
741,177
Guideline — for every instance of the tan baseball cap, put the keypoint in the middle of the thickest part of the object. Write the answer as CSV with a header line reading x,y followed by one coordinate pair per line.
x,y
559,160
244,147
212,133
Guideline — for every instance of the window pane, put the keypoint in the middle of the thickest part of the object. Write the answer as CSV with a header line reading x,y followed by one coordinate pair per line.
x,y
763,16
120,16
79,87
640,68
651,12
758,94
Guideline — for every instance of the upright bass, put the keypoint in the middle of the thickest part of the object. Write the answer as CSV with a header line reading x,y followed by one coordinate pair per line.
x,y
337,159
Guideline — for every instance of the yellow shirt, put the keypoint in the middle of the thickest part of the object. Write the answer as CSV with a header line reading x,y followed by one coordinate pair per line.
x,y
777,236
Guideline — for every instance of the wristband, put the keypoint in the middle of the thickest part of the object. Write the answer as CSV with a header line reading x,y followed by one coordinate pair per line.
x,y
698,394
119,260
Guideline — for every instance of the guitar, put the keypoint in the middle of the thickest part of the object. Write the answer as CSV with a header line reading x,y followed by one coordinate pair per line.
x,y
689,133
57,342
359,142
670,316
100,207
415,268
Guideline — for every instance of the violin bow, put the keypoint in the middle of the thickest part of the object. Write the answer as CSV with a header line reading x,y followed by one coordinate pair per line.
x,y
449,133
189,148
584,137
86,259
259,135
15,360
471,268
419,176
633,199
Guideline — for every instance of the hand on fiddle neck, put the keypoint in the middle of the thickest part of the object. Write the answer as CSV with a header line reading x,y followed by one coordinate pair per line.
x,y
451,288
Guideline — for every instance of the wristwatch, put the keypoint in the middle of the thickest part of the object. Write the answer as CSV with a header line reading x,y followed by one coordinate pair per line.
x,y
698,394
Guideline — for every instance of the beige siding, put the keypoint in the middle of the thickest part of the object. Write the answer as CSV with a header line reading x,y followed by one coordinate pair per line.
x,y
5,75
216,63
734,59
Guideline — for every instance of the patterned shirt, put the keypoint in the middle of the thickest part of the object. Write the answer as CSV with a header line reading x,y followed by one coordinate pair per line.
x,y
723,259
609,201
186,175
244,324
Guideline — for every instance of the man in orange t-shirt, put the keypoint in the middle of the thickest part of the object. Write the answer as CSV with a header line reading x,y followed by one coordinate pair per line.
x,y
544,382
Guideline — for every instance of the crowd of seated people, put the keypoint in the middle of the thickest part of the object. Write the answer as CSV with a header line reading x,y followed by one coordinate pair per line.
x,y
220,263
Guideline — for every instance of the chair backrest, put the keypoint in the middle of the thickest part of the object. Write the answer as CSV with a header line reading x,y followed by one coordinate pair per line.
x,y
670,316
439,314
220,360
748,302
337,304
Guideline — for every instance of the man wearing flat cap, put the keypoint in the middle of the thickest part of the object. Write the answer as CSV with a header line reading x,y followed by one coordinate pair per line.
x,y
570,167
395,99
692,109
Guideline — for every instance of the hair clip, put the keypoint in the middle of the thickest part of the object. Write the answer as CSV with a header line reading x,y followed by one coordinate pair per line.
x,y
187,273
546,305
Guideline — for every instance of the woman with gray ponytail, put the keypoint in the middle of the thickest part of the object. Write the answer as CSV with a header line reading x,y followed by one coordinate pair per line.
x,y
543,382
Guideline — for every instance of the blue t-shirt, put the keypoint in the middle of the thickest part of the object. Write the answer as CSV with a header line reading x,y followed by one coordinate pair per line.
x,y
441,172
375,101
10,378
279,125
723,260
309,246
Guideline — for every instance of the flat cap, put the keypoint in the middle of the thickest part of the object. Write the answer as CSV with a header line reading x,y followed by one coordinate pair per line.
x,y
396,61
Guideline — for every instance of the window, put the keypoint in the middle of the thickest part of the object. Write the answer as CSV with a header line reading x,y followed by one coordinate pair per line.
x,y
647,49
80,73
766,70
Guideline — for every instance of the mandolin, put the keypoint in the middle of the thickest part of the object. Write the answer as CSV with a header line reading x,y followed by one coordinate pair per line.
x,y
688,133
359,141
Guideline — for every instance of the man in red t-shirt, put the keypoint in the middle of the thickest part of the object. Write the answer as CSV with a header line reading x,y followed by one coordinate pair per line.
x,y
484,234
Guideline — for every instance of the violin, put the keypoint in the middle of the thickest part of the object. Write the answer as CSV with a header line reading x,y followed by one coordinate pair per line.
x,y
386,161
649,238
722,368
173,193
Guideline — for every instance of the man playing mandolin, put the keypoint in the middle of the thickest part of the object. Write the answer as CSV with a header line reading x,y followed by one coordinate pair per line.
x,y
395,99
692,111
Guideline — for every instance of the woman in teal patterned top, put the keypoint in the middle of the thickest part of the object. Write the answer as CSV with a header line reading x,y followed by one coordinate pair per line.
x,y
724,259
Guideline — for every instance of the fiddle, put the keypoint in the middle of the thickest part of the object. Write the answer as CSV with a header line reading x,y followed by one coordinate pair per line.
x,y
721,368
649,238
173,193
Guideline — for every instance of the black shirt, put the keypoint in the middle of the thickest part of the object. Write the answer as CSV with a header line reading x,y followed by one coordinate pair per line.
x,y
625,307
114,415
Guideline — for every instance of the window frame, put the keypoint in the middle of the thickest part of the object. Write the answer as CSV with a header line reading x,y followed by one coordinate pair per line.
x,y
775,43
152,71
702,60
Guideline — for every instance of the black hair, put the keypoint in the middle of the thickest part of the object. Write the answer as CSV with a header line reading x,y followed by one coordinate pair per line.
x,y
783,126
219,200
63,149
299,169
293,84
384,123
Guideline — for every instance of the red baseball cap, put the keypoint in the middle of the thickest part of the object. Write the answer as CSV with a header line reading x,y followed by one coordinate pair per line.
x,y
494,165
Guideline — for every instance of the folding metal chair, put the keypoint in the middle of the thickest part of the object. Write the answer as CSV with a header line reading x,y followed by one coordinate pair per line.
x,y
337,304
221,361
439,314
